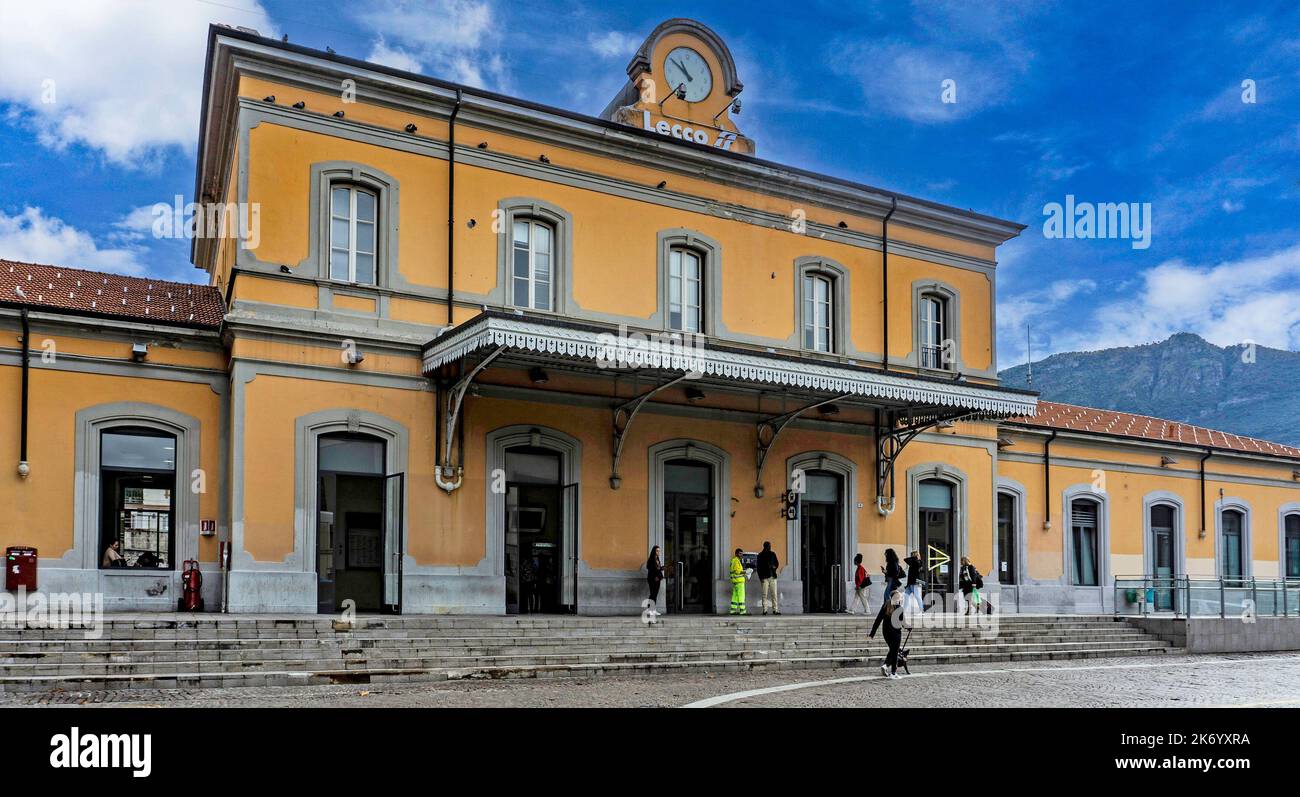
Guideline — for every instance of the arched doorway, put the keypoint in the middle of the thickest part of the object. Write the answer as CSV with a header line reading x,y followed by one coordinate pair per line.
x,y
821,538
936,522
358,531
689,551
533,521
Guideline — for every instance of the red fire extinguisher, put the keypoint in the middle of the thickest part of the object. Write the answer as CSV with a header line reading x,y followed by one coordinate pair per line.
x,y
192,582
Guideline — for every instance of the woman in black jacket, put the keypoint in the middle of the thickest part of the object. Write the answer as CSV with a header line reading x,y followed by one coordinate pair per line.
x,y
970,581
893,579
654,573
912,603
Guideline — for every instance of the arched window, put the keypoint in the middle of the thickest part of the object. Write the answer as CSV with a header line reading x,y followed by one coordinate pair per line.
x,y
1233,525
1085,515
934,332
819,312
1291,545
685,289
532,262
353,244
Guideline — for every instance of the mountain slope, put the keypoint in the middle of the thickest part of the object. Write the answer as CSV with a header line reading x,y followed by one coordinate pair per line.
x,y
1184,378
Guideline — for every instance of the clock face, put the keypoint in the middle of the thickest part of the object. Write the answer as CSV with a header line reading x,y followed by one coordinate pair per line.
x,y
685,67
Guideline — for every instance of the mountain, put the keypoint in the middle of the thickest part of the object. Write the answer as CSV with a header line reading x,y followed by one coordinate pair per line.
x,y
1184,378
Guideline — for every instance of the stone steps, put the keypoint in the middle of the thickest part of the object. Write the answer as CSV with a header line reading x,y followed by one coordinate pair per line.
x,y
184,650
285,677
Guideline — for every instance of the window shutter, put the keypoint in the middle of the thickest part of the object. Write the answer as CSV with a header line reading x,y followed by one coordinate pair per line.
x,y
1083,513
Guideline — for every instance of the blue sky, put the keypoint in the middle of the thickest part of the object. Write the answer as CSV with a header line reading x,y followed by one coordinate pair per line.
x,y
1109,102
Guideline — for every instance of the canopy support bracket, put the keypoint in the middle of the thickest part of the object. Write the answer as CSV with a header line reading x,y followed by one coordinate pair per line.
x,y
624,414
447,477
769,429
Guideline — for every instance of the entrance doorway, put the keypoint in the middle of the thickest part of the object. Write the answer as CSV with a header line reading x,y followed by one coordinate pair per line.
x,y
938,551
359,530
688,534
1162,556
539,568
821,521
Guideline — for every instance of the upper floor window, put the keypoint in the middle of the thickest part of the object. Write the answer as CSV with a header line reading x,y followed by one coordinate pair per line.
x,y
818,312
934,332
353,224
533,263
685,290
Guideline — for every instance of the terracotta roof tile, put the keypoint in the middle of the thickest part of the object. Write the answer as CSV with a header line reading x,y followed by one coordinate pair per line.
x,y
95,293
1053,415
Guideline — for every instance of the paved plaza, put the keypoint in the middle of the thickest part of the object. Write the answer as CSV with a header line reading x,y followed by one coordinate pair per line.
x,y
1261,680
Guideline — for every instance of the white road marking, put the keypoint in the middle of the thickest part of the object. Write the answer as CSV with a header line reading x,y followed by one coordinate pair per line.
x,y
710,702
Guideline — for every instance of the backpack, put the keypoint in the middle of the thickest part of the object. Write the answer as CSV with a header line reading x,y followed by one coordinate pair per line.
x,y
977,578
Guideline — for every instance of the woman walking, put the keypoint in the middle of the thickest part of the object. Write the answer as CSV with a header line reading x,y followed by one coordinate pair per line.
x,y
654,574
893,579
971,583
913,606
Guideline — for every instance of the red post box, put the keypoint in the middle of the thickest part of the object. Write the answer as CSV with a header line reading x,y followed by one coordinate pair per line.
x,y
20,568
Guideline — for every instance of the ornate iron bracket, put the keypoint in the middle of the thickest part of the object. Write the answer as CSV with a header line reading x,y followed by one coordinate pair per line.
x,y
624,414
891,439
442,474
769,429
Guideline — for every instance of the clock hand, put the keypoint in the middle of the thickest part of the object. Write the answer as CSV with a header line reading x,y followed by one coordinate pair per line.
x,y
684,72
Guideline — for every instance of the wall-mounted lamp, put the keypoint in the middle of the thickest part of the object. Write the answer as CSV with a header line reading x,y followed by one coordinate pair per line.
x,y
1005,442
538,376
353,357
662,183
482,145
410,128
1167,461
139,351
285,270
338,114
829,409
843,225
300,105
269,98
544,159
694,394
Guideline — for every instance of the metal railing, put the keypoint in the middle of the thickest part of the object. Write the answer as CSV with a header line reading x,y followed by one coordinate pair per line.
x,y
1207,596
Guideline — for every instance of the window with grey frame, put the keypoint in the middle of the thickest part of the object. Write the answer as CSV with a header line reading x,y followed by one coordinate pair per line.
x,y
819,312
1232,523
354,224
685,289
1291,545
1085,515
934,335
532,264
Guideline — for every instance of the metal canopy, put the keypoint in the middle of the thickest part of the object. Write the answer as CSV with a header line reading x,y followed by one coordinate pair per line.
x,y
903,406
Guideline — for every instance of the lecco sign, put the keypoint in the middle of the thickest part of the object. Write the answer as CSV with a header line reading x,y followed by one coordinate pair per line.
x,y
685,132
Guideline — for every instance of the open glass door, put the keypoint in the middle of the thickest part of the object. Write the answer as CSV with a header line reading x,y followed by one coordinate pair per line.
x,y
569,571
394,540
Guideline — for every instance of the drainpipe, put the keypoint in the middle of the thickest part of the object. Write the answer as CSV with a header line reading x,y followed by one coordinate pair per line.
x,y
884,271
1047,482
23,468
1204,457
451,208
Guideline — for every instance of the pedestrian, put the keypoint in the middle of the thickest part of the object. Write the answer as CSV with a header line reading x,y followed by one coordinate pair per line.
x,y
893,580
737,572
654,574
768,565
113,555
913,606
860,583
971,583
892,612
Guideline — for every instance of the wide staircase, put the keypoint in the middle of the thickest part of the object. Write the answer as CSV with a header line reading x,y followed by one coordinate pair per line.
x,y
184,651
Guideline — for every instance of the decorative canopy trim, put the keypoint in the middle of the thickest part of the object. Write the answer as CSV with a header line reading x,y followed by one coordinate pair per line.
x,y
641,350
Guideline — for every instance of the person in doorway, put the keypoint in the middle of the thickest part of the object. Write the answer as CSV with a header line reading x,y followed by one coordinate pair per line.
x,y
860,583
528,584
893,580
971,583
654,574
913,606
768,565
113,555
737,573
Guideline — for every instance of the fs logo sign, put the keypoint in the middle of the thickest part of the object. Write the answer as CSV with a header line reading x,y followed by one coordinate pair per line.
x,y
698,135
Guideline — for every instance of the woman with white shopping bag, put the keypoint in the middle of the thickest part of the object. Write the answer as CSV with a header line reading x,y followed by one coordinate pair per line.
x,y
971,584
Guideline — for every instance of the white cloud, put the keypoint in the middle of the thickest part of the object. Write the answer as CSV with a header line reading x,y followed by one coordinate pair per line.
x,y
1230,206
613,44
124,80
33,237
907,80
454,39
1253,298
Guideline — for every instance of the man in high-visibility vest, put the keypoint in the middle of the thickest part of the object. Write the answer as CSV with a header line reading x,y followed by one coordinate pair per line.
x,y
737,571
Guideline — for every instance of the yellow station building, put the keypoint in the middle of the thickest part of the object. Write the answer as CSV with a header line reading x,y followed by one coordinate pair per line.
x,y
480,355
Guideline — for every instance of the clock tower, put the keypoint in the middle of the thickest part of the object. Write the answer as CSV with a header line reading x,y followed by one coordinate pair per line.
x,y
682,84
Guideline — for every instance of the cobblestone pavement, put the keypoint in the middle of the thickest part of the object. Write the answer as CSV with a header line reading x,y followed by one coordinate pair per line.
x,y
1160,681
